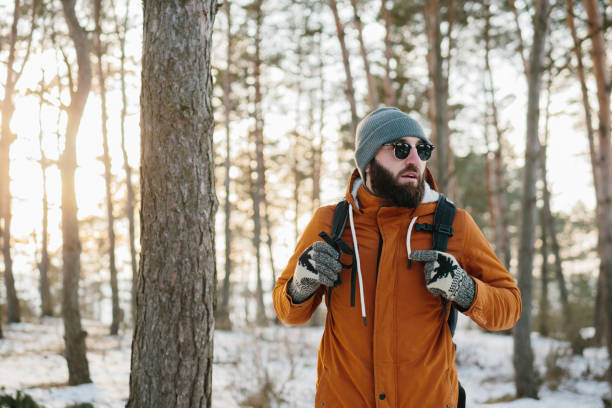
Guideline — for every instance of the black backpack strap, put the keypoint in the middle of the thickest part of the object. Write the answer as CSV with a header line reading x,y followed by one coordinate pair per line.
x,y
443,223
338,224
442,231
341,214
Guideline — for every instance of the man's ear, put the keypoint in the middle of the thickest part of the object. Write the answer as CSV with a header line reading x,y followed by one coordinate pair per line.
x,y
366,175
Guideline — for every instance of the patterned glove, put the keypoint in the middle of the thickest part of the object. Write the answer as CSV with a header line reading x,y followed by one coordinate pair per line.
x,y
444,277
318,264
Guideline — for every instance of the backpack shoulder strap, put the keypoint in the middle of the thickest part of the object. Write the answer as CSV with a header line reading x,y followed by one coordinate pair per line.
x,y
443,223
334,238
339,220
442,231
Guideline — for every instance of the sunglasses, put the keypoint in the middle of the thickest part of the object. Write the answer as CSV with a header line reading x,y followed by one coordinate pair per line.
x,y
402,150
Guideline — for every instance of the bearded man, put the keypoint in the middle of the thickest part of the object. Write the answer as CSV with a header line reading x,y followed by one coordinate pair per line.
x,y
400,353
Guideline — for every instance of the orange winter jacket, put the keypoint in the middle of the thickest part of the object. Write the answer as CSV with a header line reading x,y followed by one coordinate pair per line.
x,y
404,356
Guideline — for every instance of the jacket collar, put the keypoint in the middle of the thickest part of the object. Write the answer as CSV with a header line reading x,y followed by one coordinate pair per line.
x,y
362,199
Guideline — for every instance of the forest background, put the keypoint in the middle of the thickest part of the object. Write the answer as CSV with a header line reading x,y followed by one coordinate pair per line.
x,y
515,95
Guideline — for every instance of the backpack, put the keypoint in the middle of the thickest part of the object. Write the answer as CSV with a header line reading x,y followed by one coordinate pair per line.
x,y
442,230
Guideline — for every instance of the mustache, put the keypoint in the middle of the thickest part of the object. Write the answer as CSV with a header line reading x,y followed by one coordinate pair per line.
x,y
409,168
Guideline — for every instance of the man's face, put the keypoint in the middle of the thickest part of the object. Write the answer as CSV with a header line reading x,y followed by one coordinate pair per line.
x,y
399,180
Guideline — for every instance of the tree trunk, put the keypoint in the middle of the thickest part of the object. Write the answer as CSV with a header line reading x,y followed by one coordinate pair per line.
x,y
349,90
259,191
551,228
172,348
390,99
46,302
317,147
438,94
544,312
521,43
499,189
74,337
580,72
7,138
525,377
116,312
129,205
222,316
372,93
604,162
570,330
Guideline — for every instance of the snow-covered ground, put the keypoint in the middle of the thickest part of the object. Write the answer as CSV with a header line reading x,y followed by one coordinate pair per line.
x,y
277,365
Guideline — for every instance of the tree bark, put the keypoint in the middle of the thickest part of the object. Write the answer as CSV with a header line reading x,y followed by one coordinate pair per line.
x,y
372,93
7,138
74,337
604,162
525,377
116,311
349,90
390,99
222,316
172,348
259,191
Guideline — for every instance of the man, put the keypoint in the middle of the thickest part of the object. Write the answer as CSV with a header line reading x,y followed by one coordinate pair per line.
x,y
399,352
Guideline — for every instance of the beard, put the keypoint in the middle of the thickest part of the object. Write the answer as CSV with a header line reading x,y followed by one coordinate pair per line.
x,y
386,185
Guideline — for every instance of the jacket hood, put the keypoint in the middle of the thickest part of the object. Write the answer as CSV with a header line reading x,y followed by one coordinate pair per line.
x,y
356,188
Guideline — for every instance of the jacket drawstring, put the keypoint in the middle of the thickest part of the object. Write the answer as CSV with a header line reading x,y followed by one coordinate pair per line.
x,y
408,235
356,249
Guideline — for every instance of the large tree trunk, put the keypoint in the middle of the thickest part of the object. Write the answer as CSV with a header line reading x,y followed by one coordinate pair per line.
x,y
46,302
259,191
6,139
74,337
604,162
172,348
390,99
222,315
129,204
349,90
116,312
372,93
525,378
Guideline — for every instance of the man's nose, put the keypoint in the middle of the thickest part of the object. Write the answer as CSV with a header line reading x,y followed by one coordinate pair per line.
x,y
413,156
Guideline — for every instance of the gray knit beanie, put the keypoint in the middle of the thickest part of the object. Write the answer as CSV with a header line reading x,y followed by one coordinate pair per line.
x,y
379,127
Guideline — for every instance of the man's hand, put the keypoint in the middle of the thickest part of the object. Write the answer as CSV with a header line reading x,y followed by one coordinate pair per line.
x,y
318,264
444,277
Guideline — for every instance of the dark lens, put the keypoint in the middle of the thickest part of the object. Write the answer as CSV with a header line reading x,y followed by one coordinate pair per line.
x,y
402,150
424,151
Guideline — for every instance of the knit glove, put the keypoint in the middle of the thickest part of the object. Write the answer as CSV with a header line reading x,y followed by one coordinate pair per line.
x,y
318,264
444,277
